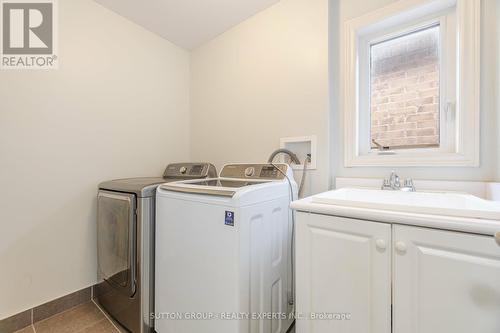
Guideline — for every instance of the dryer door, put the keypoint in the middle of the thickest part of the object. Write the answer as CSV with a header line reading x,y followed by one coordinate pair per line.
x,y
116,239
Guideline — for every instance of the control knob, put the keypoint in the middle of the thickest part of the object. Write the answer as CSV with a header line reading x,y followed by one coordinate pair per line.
x,y
249,171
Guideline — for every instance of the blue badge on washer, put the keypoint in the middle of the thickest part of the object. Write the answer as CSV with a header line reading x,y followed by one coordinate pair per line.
x,y
229,219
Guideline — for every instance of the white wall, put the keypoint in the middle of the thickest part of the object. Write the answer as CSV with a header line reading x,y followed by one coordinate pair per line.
x,y
264,79
497,93
343,10
117,107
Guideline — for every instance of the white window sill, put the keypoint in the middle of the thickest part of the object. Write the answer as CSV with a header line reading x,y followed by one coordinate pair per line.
x,y
416,159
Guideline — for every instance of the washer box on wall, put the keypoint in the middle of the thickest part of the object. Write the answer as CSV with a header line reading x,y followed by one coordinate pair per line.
x,y
301,146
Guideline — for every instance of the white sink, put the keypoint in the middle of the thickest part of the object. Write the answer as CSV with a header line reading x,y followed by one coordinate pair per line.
x,y
448,204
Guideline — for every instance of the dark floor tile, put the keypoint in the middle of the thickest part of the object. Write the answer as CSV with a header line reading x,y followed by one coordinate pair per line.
x,y
71,321
28,329
16,322
103,326
61,304
116,324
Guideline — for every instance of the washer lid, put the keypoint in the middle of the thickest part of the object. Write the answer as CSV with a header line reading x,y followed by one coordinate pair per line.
x,y
218,186
233,178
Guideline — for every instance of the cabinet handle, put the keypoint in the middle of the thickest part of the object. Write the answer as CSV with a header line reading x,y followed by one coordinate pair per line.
x,y
401,247
497,237
380,244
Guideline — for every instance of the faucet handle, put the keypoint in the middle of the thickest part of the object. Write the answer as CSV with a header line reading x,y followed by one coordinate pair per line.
x,y
409,184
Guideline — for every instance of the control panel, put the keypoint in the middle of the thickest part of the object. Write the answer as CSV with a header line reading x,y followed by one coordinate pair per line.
x,y
269,172
274,171
190,170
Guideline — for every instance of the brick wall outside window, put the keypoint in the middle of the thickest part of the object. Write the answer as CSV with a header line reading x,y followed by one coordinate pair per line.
x,y
405,90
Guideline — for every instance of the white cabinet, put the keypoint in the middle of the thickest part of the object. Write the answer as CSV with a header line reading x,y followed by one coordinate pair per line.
x,y
343,266
444,281
437,281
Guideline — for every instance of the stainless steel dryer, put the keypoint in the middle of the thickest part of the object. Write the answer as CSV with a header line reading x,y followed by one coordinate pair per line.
x,y
125,243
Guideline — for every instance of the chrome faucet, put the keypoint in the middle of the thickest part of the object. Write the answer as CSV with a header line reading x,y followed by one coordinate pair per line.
x,y
394,184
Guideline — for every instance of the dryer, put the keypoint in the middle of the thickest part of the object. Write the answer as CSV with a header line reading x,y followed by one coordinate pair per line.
x,y
223,252
125,243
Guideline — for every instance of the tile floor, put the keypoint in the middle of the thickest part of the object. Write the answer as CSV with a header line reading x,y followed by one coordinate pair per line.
x,y
85,318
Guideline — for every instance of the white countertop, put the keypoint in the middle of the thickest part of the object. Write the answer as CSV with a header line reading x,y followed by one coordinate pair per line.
x,y
470,225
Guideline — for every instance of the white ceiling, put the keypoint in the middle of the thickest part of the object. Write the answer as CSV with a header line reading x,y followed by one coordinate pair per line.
x,y
187,23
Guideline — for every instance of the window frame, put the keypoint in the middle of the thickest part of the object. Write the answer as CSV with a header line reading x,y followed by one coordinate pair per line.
x,y
459,99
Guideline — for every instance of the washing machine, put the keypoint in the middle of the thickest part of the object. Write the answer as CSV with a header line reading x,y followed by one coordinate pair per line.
x,y
125,243
223,252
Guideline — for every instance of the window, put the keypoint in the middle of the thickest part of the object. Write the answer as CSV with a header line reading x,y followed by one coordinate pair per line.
x,y
404,83
411,85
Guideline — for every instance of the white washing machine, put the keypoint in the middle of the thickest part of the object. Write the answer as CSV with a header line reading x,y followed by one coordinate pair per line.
x,y
223,252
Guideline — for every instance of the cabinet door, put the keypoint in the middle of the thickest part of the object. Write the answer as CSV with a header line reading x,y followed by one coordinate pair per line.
x,y
446,282
343,266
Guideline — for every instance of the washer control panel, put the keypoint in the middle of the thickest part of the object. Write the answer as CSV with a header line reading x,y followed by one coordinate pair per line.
x,y
276,171
190,170
269,172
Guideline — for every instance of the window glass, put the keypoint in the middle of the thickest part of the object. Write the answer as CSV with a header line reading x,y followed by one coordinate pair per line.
x,y
404,90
